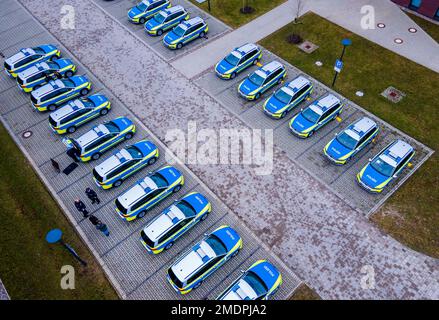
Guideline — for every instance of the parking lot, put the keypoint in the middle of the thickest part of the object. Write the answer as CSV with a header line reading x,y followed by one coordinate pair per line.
x,y
119,9
134,273
308,153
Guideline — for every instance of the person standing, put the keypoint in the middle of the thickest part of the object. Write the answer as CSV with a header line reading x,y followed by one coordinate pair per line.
x,y
94,220
74,154
92,195
80,206
103,228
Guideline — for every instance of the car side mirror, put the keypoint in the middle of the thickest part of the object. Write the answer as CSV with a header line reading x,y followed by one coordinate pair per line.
x,y
370,160
301,109
206,234
242,271
395,176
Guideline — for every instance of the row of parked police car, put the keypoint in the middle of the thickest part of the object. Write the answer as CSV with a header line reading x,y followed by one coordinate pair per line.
x,y
158,17
53,85
374,176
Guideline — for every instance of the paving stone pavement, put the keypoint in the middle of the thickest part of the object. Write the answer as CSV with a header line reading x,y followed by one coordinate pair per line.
x,y
320,237
3,293
134,273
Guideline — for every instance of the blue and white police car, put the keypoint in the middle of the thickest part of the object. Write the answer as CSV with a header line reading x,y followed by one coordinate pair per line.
x,y
238,60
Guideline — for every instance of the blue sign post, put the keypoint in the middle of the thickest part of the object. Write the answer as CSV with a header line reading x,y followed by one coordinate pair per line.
x,y
55,236
339,62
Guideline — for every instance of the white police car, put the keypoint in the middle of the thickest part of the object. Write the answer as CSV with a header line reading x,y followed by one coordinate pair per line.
x,y
165,20
185,32
238,60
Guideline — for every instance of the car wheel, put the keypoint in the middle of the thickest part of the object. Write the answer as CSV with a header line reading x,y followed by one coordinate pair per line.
x,y
69,73
159,32
176,189
84,92
71,129
233,75
103,112
142,20
152,161
128,136
52,107
96,156
198,284
257,96
204,216
169,245
118,183
202,34
234,254
179,45
141,214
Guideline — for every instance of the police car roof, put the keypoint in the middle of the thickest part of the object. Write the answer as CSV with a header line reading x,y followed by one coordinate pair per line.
x,y
137,191
173,9
298,82
328,101
246,48
113,162
163,222
271,66
399,149
92,135
192,22
52,85
67,109
193,260
363,125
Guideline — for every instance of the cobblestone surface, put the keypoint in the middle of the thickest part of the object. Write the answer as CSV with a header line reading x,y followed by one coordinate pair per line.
x,y
321,237
3,293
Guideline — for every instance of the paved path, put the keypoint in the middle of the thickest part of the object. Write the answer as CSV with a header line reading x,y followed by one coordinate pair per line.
x,y
318,236
419,47
3,293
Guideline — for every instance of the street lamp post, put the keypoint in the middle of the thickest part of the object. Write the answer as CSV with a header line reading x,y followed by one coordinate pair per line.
x,y
339,63
55,236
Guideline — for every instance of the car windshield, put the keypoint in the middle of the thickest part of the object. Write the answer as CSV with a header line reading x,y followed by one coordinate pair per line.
x,y
68,83
382,167
232,59
52,65
346,140
256,79
310,115
216,245
159,17
141,6
186,208
120,207
112,127
256,283
87,103
159,180
179,31
134,152
282,96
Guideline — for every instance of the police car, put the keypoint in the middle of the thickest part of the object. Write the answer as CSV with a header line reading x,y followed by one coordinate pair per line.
x,y
238,60
286,98
28,57
185,32
351,140
194,266
261,80
166,19
147,192
124,163
77,112
260,282
162,231
42,72
92,144
57,92
315,116
146,9
385,166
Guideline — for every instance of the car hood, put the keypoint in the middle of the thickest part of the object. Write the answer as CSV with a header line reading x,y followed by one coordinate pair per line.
x,y
122,123
267,272
300,124
171,174
197,201
171,36
228,236
273,105
64,62
146,147
134,11
16,57
151,24
247,86
372,178
98,99
223,66
336,150
78,80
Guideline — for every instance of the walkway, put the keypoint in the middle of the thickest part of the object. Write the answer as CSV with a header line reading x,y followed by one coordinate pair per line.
x,y
419,46
3,293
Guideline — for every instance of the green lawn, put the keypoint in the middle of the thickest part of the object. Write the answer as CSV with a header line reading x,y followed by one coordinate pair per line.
x,y
303,292
30,268
410,215
228,10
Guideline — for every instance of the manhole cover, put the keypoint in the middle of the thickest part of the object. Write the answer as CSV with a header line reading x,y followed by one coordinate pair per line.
x,y
381,25
413,30
27,134
398,41
393,94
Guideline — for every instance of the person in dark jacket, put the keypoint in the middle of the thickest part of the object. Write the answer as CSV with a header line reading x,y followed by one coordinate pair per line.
x,y
74,154
80,206
94,220
91,194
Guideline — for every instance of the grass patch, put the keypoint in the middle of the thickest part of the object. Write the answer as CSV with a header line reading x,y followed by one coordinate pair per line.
x,y
371,68
30,268
228,11
303,292
429,27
